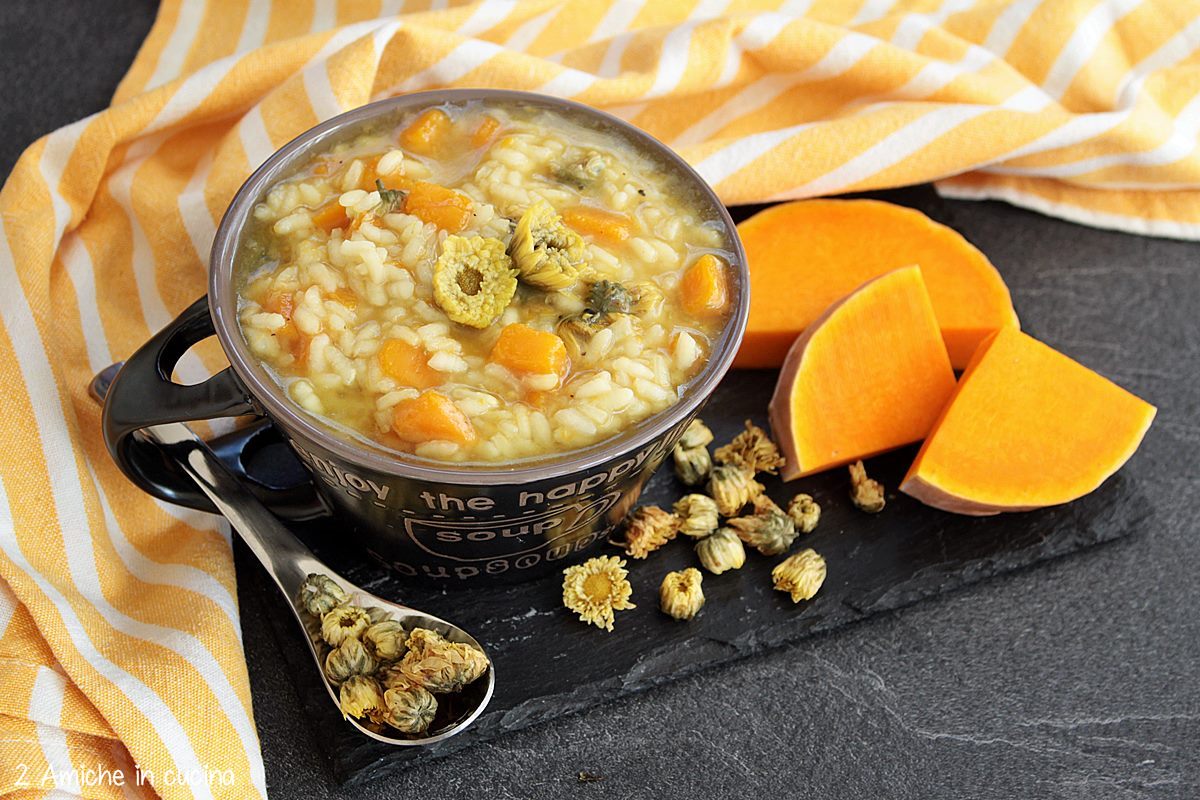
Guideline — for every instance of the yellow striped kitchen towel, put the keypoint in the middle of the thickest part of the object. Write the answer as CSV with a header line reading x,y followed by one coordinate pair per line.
x,y
121,665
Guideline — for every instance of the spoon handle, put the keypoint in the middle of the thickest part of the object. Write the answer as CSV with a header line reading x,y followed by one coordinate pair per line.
x,y
284,556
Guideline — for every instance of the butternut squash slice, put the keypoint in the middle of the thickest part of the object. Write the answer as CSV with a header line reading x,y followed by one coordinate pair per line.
x,y
1027,427
805,255
871,374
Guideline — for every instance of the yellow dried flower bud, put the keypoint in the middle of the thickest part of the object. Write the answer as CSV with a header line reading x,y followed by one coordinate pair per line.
x,y
596,588
547,253
392,677
865,493
440,665
360,697
319,594
696,434
342,623
647,529
721,551
752,449
763,504
801,575
692,465
732,487
770,533
680,595
473,280
697,515
386,640
348,659
409,710
377,614
648,299
805,513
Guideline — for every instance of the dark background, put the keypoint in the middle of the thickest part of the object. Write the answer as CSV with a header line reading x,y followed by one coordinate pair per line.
x,y
1080,679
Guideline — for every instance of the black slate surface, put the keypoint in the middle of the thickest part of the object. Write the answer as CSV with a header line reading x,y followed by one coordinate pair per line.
x,y
548,664
1077,679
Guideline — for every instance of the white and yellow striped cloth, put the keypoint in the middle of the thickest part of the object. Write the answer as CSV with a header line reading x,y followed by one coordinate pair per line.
x,y
119,634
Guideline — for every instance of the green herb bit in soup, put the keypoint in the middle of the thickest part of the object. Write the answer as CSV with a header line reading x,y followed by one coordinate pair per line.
x,y
483,282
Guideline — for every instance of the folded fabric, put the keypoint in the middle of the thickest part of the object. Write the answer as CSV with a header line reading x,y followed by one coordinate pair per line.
x,y
120,645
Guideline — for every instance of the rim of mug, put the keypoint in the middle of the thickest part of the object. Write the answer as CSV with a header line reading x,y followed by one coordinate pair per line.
x,y
267,393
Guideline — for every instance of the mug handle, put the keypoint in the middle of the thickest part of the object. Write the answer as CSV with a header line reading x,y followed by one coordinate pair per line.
x,y
143,395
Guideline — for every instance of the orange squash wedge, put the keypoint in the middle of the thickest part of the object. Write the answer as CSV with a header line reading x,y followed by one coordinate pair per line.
x,y
807,254
871,374
1027,427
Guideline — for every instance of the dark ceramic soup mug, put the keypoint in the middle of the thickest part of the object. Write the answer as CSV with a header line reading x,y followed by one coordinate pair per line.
x,y
460,523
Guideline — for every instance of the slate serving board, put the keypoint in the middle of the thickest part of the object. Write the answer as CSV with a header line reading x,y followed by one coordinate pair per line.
x,y
549,664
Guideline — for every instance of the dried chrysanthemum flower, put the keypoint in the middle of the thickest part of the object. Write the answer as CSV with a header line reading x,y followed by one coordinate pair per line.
x,y
647,529
410,709
596,588
609,297
377,614
392,677
753,449
348,659
360,697
342,623
547,253
801,575
732,487
763,504
473,280
770,533
721,552
865,492
606,302
697,515
386,640
577,330
696,434
805,513
582,172
680,595
440,665
692,464
648,299
320,595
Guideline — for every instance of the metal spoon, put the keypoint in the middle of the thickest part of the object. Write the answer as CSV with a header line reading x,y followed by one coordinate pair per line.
x,y
289,562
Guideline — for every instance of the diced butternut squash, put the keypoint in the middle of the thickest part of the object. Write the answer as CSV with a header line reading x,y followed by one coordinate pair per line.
x,y
484,132
443,207
330,216
298,345
431,416
704,288
805,255
1027,427
407,364
527,350
608,226
326,165
370,173
346,297
869,375
293,341
427,132
279,303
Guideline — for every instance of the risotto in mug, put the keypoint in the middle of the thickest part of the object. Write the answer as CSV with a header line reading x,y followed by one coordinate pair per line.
x,y
482,282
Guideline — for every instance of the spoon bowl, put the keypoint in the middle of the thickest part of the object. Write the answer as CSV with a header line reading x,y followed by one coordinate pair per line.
x,y
289,563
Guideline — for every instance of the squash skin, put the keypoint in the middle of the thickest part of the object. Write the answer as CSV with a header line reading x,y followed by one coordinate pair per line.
x,y
806,254
1077,393
897,305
